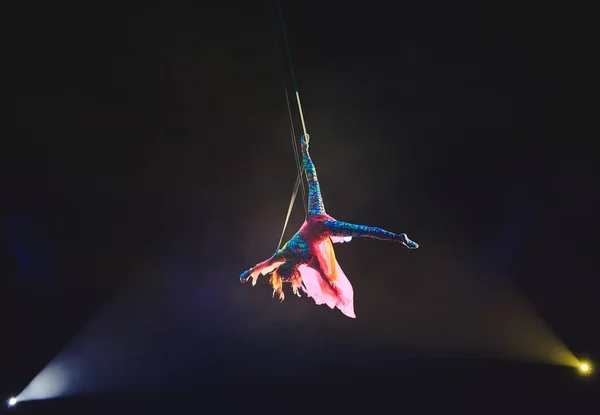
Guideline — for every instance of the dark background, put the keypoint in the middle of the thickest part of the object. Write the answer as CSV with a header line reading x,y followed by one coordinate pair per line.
x,y
147,163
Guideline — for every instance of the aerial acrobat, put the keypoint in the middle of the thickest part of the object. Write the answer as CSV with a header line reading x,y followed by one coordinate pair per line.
x,y
307,261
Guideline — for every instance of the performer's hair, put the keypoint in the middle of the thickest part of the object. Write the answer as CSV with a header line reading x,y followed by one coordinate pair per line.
x,y
287,270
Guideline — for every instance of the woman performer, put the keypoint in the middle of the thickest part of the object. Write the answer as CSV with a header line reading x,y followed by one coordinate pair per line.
x,y
307,261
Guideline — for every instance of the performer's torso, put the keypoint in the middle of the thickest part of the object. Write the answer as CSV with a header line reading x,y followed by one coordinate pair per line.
x,y
297,249
302,246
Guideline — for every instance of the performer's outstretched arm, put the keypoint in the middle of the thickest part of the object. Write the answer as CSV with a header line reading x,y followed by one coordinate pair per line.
x,y
344,229
315,200
262,268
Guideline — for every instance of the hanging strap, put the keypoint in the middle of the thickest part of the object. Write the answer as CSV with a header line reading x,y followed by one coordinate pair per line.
x,y
287,99
287,45
283,51
301,113
297,157
289,212
299,180
299,177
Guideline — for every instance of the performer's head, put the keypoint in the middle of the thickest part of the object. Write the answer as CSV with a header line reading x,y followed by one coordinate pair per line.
x,y
287,270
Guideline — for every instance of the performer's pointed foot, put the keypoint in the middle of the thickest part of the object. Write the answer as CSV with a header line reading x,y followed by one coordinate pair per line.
x,y
408,243
304,140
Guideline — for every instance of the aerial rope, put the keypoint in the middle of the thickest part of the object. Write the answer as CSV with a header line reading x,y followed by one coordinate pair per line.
x,y
299,179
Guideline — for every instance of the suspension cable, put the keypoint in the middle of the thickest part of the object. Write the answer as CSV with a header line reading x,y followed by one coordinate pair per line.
x,y
299,177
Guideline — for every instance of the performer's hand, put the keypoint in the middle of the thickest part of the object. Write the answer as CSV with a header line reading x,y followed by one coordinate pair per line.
x,y
245,275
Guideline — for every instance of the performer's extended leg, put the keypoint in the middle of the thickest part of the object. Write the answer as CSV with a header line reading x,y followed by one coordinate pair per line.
x,y
337,228
315,200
